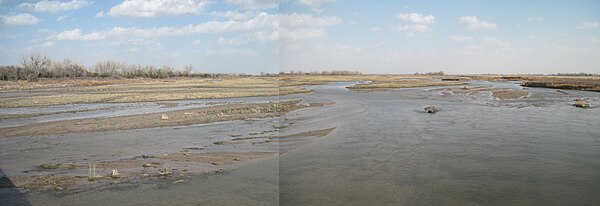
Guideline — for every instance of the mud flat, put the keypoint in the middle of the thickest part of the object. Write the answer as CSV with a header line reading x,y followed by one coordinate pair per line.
x,y
152,120
38,114
71,171
73,177
509,94
576,83
500,93
175,167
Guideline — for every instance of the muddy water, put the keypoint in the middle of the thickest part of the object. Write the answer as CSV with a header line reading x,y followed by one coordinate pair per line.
x,y
477,151
539,150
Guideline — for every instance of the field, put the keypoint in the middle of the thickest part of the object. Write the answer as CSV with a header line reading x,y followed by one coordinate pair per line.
x,y
61,92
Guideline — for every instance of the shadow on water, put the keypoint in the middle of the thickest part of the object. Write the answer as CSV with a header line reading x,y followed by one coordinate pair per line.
x,y
9,194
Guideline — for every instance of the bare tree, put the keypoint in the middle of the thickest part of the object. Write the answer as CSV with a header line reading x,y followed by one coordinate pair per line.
x,y
187,70
32,65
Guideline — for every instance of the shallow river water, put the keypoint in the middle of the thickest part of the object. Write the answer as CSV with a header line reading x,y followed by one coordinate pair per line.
x,y
385,150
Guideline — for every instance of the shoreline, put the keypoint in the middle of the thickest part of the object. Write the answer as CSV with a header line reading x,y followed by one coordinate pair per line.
x,y
183,117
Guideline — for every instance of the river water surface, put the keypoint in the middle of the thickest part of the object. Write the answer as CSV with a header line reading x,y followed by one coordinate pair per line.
x,y
539,150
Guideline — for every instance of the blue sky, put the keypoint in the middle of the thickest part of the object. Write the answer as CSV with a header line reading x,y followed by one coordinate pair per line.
x,y
465,36
213,36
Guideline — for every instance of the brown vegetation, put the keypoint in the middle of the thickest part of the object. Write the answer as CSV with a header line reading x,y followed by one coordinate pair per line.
x,y
591,83
176,118
35,66
59,92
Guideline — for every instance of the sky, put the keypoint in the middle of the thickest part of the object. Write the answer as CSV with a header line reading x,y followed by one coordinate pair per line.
x,y
251,36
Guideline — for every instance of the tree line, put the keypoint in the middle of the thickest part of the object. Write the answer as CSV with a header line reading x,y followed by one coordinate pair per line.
x,y
335,72
35,66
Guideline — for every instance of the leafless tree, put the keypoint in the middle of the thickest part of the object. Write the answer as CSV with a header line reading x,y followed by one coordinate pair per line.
x,y
32,65
187,70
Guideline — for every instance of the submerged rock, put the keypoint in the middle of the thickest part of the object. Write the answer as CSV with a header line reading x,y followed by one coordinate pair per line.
x,y
49,166
431,109
583,103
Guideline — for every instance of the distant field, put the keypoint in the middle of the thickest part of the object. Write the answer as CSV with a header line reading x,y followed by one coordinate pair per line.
x,y
588,83
376,82
60,92
49,92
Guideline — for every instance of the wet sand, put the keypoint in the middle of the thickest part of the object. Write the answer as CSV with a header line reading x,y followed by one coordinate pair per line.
x,y
70,174
500,93
152,120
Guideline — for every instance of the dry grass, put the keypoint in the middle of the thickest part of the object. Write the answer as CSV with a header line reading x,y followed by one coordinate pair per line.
x,y
401,84
176,118
578,83
60,92
378,82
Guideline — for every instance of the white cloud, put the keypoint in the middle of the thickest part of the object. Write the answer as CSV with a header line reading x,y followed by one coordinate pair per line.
x,y
234,15
413,28
376,28
55,6
461,38
263,36
99,14
261,22
255,4
535,18
314,4
48,44
417,18
305,26
19,19
153,8
474,23
61,18
496,42
307,20
233,41
75,35
419,23
588,25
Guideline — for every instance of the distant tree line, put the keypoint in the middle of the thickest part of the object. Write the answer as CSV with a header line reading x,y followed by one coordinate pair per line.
x,y
440,73
34,66
576,74
336,72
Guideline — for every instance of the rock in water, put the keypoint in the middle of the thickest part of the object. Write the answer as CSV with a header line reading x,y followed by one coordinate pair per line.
x,y
49,166
115,173
583,103
164,117
431,109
